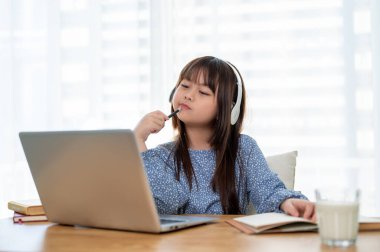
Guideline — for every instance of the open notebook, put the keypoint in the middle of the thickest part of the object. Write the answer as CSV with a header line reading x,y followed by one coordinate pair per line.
x,y
278,223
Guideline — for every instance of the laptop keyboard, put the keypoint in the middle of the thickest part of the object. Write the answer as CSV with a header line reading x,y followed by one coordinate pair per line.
x,y
168,221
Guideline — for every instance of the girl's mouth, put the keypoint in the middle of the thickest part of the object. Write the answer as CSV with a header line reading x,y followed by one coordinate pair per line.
x,y
184,107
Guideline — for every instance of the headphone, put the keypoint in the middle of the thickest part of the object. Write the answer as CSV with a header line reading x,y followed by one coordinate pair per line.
x,y
235,111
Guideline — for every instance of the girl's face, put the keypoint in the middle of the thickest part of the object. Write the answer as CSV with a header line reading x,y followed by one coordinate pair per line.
x,y
197,102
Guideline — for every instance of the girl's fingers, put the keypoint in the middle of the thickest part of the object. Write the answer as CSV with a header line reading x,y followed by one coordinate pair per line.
x,y
314,217
157,124
308,213
152,122
289,208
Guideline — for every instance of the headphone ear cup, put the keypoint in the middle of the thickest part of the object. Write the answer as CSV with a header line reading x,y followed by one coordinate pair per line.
x,y
171,95
235,111
235,114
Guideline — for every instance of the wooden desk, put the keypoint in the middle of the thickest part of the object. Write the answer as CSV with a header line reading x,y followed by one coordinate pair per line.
x,y
211,237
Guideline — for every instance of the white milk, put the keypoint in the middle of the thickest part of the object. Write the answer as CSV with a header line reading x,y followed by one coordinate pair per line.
x,y
337,220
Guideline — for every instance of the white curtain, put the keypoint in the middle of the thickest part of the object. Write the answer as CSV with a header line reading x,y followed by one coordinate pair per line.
x,y
308,68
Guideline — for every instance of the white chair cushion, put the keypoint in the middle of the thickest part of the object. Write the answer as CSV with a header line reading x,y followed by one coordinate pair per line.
x,y
284,165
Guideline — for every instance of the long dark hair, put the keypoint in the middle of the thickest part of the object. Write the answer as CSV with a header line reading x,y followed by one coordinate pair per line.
x,y
221,79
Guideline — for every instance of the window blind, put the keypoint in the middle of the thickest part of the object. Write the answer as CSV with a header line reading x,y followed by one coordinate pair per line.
x,y
307,71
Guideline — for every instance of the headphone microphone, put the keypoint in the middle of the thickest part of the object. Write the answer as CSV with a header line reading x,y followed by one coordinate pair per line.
x,y
235,112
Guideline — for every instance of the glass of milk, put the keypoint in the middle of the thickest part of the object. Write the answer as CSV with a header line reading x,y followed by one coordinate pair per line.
x,y
337,215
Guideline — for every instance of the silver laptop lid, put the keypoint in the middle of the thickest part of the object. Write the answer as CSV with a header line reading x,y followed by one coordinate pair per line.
x,y
91,178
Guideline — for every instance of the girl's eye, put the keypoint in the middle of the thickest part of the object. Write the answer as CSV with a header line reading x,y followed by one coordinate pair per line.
x,y
204,93
184,85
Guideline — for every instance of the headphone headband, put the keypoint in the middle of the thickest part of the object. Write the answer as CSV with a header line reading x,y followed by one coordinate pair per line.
x,y
235,112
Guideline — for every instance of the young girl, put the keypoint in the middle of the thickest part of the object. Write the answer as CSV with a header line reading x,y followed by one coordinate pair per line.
x,y
211,168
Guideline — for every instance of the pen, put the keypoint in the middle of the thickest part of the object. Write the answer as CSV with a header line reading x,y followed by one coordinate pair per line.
x,y
174,112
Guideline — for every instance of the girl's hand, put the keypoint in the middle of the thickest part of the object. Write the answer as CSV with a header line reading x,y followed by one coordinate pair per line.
x,y
299,208
152,122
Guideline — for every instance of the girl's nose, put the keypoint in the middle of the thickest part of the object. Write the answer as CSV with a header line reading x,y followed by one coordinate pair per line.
x,y
190,94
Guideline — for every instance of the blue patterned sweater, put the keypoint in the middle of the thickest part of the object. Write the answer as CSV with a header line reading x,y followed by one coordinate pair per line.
x,y
258,184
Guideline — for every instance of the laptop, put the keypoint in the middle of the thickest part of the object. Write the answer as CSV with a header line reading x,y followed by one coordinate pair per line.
x,y
97,179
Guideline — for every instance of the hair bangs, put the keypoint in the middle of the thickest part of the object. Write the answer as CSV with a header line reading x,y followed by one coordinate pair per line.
x,y
198,69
